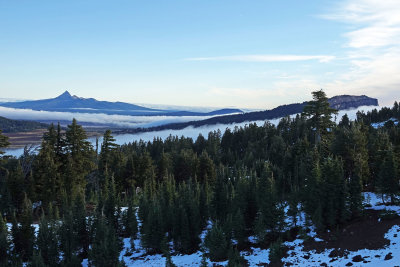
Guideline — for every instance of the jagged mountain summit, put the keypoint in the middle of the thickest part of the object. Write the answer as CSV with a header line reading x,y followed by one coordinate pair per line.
x,y
72,103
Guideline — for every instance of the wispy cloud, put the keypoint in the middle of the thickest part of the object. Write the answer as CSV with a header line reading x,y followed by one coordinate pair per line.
x,y
373,44
265,58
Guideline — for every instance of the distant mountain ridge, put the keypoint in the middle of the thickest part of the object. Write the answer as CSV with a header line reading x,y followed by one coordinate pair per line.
x,y
341,102
71,103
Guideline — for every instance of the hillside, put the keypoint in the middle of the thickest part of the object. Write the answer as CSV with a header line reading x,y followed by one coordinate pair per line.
x,y
13,126
341,102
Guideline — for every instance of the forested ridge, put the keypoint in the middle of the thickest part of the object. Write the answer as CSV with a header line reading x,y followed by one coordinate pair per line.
x,y
340,102
12,126
249,181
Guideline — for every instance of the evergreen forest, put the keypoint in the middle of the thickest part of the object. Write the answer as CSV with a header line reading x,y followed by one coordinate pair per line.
x,y
231,185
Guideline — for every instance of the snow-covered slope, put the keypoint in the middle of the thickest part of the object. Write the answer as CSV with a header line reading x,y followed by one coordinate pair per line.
x,y
297,254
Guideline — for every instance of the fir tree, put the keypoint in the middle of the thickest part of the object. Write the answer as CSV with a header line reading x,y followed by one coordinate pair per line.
x,y
80,226
37,260
107,148
105,249
26,232
47,242
216,243
235,259
355,189
79,159
130,221
320,114
153,229
4,243
239,227
388,181
270,215
68,238
3,143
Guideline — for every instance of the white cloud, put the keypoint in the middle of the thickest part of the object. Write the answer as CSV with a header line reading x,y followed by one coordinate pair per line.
x,y
118,120
373,44
266,58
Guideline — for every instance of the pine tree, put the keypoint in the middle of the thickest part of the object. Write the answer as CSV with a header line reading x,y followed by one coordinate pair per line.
x,y
152,231
26,232
320,114
37,261
105,249
355,189
47,242
68,238
79,160
16,187
3,143
293,210
216,243
335,193
270,215
388,181
110,202
239,227
130,221
235,259
4,243
80,226
167,253
47,178
107,148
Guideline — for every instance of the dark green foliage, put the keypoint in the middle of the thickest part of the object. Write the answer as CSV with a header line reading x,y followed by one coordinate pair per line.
x,y
80,226
388,181
3,141
130,221
107,148
276,251
167,253
270,215
105,248
239,227
47,242
37,260
68,238
46,176
320,114
234,259
243,180
217,243
12,126
4,243
334,193
79,159
355,189
153,228
23,235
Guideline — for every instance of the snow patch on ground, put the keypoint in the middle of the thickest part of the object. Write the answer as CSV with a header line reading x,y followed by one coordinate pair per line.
x,y
256,257
298,257
375,201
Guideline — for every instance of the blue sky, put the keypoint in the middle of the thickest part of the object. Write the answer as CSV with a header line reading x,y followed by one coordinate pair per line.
x,y
247,54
